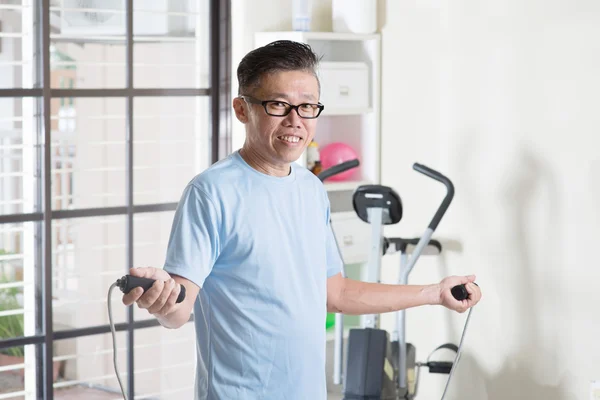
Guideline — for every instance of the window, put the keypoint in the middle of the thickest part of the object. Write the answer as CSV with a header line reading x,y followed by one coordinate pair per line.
x,y
107,109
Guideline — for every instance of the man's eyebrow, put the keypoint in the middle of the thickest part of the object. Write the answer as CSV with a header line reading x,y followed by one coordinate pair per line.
x,y
307,96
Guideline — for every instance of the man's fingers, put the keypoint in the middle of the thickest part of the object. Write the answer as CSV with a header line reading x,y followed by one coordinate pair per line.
x,y
163,297
132,296
153,299
142,272
464,280
474,292
171,301
151,295
452,281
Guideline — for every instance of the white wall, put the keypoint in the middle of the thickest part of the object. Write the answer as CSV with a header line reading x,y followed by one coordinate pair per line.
x,y
502,97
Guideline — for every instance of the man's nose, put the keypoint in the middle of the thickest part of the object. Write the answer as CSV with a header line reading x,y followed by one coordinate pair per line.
x,y
293,118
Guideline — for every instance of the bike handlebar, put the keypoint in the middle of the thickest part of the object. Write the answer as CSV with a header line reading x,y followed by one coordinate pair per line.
x,y
449,192
338,169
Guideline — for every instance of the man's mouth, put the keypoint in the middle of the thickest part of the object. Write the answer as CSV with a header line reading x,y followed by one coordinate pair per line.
x,y
290,138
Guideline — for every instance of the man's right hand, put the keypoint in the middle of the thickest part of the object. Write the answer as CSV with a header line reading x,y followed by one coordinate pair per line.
x,y
160,299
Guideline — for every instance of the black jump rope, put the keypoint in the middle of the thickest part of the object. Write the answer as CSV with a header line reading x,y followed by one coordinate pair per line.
x,y
129,282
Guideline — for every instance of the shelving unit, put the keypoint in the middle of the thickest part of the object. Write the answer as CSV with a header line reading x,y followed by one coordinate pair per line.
x,y
349,74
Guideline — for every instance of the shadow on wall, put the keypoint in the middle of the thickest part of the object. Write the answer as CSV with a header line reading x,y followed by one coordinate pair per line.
x,y
594,184
526,187
513,381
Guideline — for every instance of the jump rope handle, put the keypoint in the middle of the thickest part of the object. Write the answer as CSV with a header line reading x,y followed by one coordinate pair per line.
x,y
460,292
129,282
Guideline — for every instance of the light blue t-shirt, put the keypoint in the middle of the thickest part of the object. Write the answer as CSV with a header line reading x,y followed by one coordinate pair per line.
x,y
261,249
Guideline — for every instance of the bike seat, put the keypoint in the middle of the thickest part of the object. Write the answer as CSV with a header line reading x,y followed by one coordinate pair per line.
x,y
377,196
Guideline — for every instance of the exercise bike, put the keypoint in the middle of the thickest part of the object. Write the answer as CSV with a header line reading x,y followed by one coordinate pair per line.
x,y
377,367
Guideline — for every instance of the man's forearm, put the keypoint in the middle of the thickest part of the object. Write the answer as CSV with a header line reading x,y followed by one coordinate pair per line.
x,y
359,297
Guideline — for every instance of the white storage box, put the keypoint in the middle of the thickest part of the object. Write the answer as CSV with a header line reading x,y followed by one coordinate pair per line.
x,y
344,87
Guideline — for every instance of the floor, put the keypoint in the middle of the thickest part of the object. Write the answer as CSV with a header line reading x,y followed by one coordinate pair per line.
x,y
13,383
83,393
10,383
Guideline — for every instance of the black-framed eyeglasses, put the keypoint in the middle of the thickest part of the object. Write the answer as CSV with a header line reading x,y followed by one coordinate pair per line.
x,y
279,108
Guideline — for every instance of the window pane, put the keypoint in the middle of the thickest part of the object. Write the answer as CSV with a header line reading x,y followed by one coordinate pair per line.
x,y
88,43
171,44
88,255
86,366
18,249
18,155
150,236
17,373
171,146
165,363
88,153
16,45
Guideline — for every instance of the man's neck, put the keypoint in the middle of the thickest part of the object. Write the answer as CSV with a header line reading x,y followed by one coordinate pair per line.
x,y
260,163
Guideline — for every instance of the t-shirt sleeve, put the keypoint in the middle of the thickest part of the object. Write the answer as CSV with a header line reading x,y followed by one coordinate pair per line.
x,y
335,264
194,242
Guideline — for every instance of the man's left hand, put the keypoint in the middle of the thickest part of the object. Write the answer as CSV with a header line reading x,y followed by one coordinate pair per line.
x,y
448,301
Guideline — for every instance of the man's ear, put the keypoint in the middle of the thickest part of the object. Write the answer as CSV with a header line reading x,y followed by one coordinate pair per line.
x,y
241,109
